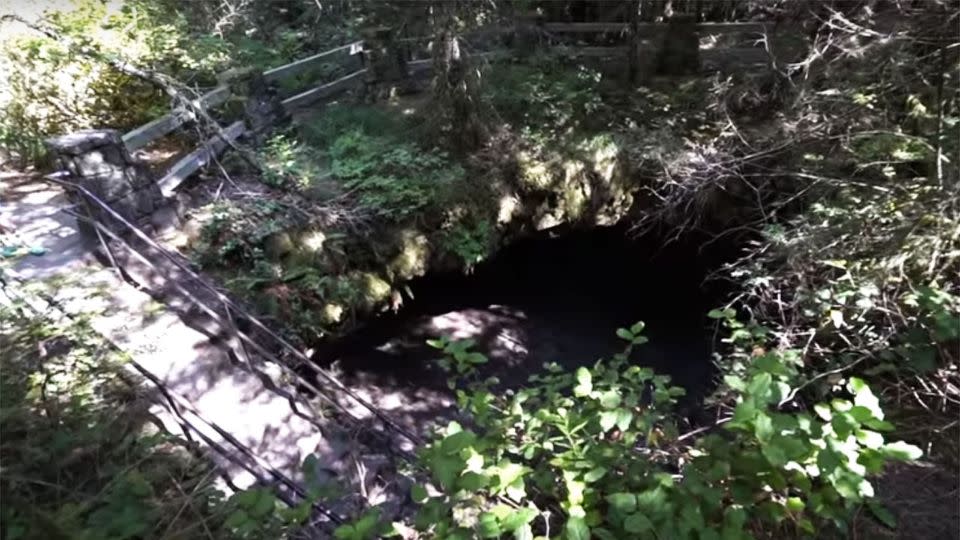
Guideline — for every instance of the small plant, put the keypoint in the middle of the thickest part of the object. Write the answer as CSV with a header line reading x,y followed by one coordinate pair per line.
x,y
290,164
459,361
470,241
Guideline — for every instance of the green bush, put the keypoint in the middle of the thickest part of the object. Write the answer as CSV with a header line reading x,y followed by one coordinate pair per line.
x,y
79,456
51,88
238,231
597,454
290,164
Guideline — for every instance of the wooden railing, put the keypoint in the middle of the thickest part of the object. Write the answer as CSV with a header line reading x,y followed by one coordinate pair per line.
x,y
142,136
344,56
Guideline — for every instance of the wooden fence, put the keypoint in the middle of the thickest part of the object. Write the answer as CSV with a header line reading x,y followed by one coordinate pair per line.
x,y
352,55
170,180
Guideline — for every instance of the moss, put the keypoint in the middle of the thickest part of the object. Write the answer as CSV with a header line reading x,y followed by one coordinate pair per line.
x,y
534,173
331,313
372,290
413,257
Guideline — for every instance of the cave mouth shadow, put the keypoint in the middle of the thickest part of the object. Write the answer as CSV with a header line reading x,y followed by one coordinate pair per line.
x,y
555,296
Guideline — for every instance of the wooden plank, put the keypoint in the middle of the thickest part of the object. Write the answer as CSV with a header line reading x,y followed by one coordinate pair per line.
x,y
734,56
190,163
294,68
706,29
326,90
702,28
419,66
415,67
151,131
593,52
562,28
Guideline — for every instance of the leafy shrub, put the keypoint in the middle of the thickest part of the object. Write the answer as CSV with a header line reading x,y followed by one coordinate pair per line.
x,y
291,164
470,240
238,231
78,458
52,88
597,454
392,179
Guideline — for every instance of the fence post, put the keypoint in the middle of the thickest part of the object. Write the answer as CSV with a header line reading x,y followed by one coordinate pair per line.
x,y
680,47
385,61
528,33
263,107
98,161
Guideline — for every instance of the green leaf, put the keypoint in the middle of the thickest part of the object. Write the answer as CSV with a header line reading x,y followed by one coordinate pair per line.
x,y
637,523
577,529
624,417
901,450
735,382
870,439
759,386
453,444
863,397
637,327
624,334
508,472
774,454
885,516
264,505
604,534
594,474
726,313
446,470
623,502
476,358
610,399
795,504
823,411
345,532
517,519
523,532
237,519
366,526
608,419
489,526
419,494
584,383
763,427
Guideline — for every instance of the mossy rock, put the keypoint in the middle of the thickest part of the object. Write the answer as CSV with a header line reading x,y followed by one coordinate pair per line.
x,y
277,245
413,258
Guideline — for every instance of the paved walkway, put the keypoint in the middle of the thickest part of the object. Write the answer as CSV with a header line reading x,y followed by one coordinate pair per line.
x,y
189,363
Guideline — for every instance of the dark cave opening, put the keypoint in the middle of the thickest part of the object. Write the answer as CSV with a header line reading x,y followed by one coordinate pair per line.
x,y
556,296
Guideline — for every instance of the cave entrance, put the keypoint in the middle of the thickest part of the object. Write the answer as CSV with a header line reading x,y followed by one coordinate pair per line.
x,y
556,296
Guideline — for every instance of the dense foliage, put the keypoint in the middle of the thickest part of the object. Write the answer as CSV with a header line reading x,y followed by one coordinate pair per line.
x,y
835,167
597,454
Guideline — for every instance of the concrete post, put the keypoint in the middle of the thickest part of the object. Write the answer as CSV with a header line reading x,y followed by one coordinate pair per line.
x,y
98,161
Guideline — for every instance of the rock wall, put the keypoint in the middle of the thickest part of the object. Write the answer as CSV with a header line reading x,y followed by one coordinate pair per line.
x,y
99,162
